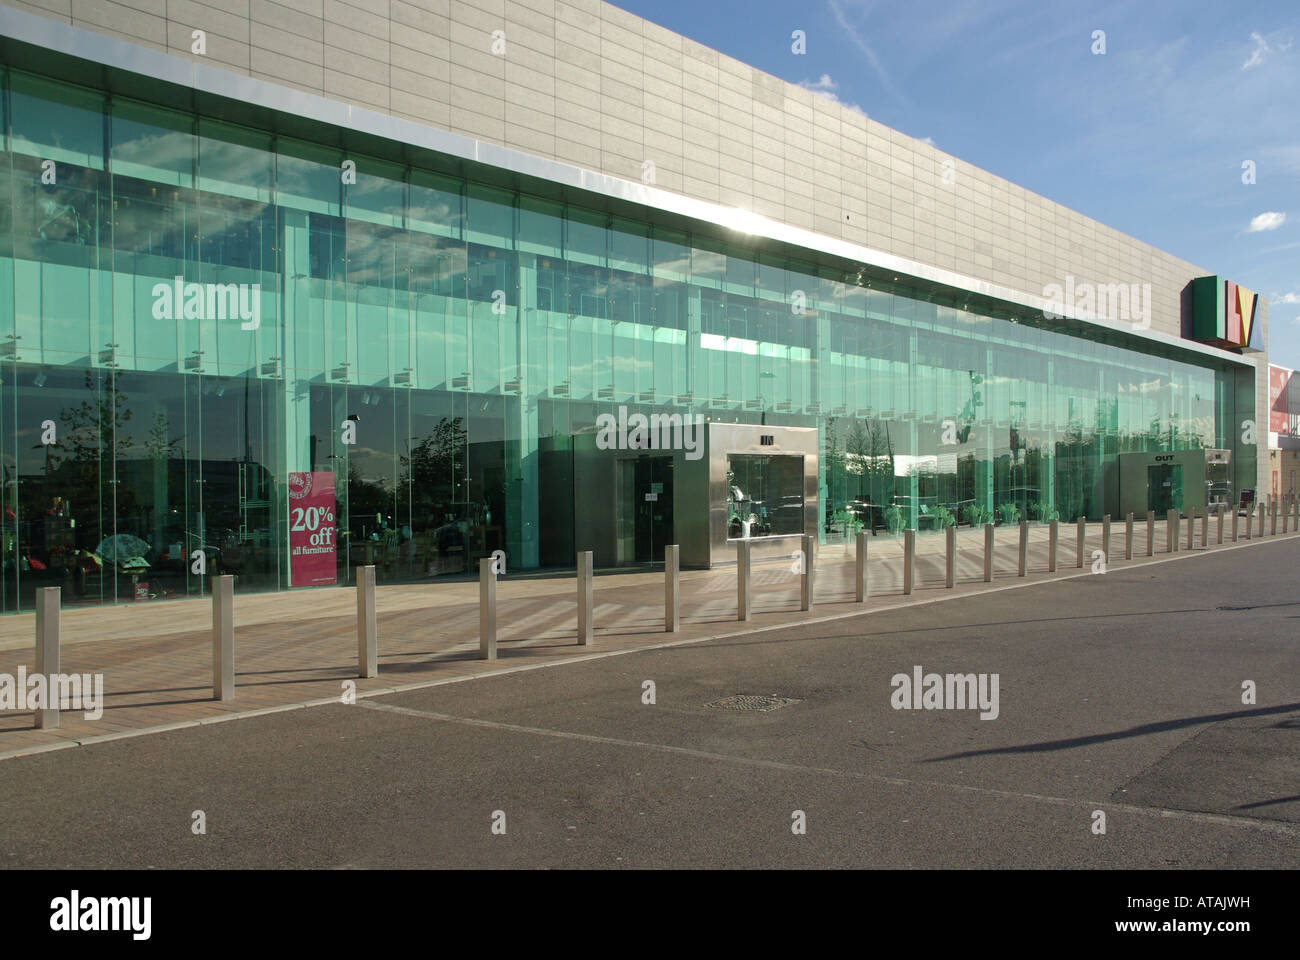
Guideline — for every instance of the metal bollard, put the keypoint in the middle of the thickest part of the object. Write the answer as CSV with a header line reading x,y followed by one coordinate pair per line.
x,y
1191,529
672,588
1272,518
223,637
1053,536
47,654
1236,522
1171,531
1205,529
586,628
1080,535
807,581
367,624
1105,539
487,608
862,587
743,608
988,553
1151,533
1219,538
1128,537
1023,565
1261,519
909,560
950,567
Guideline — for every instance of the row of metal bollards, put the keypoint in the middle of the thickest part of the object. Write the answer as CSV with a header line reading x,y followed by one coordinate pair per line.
x,y
223,587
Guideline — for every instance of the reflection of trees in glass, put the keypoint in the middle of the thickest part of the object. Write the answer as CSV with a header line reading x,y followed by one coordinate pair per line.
x,y
871,450
89,433
431,470
367,500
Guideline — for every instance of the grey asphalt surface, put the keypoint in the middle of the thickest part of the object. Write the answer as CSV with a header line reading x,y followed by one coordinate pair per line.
x,y
1119,692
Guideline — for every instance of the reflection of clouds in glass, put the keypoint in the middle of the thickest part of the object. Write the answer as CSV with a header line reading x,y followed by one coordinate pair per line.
x,y
165,150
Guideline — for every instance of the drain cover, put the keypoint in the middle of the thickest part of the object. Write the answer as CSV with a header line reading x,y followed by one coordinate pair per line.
x,y
750,702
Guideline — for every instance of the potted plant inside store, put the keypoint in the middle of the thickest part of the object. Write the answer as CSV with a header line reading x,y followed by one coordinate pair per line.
x,y
943,518
1009,513
977,515
894,519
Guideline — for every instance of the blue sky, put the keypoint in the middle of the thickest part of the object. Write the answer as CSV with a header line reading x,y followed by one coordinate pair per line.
x,y
1148,138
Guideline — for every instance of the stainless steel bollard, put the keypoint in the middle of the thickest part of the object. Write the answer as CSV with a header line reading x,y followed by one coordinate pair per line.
x,y
1128,537
1191,529
909,560
1272,518
1053,536
487,608
367,624
988,553
807,581
586,628
950,564
1219,538
1236,522
1171,531
1105,539
862,587
47,654
223,637
1151,533
1081,534
743,606
672,588
1261,519
1023,564
1205,529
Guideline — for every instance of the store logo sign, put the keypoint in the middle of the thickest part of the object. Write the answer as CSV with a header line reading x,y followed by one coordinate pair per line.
x,y
1223,313
659,431
179,300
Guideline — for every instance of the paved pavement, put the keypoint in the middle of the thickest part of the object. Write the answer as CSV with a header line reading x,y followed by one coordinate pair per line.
x,y
296,649
1119,693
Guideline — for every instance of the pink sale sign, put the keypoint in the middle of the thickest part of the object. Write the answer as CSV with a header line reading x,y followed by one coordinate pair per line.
x,y
313,546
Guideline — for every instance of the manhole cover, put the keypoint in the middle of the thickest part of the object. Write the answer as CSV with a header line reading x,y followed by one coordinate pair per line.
x,y
746,701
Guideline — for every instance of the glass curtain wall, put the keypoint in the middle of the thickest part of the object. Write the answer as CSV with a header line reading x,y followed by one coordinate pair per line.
x,y
192,311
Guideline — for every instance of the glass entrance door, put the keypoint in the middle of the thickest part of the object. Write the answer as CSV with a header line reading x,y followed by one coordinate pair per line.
x,y
1165,488
645,508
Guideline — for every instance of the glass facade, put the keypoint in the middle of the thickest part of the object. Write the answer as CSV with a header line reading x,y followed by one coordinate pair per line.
x,y
191,311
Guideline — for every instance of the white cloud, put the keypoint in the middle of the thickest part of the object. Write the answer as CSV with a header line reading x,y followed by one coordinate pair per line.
x,y
825,86
1257,55
1287,298
1266,221
1263,49
928,140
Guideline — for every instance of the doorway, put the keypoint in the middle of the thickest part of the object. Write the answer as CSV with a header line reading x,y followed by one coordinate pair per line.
x,y
644,508
1165,488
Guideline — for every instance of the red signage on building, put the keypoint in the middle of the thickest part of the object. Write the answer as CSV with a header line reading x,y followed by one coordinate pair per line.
x,y
313,546
1279,410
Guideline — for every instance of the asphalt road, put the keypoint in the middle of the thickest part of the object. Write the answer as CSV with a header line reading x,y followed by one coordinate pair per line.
x,y
1119,692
